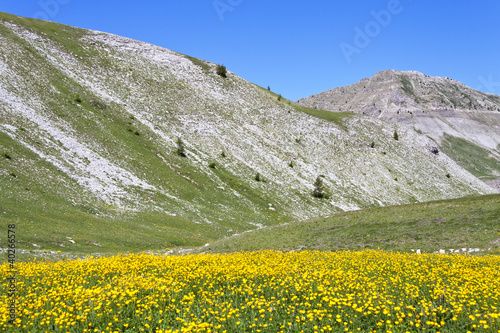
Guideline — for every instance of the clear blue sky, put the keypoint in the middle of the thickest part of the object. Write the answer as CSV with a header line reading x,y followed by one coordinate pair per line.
x,y
300,48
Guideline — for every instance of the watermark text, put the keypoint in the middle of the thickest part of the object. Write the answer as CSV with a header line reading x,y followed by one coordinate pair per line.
x,y
11,273
49,8
363,36
224,6
488,84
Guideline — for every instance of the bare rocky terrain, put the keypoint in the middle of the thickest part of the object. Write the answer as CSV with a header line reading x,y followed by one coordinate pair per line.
x,y
442,108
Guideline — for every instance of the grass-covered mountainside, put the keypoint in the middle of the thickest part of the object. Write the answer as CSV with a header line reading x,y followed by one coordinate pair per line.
x,y
470,225
463,121
89,148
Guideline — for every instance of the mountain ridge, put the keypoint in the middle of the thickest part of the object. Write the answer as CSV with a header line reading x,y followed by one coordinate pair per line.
x,y
444,109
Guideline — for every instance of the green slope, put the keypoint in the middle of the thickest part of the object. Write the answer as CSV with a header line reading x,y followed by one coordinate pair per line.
x,y
472,222
471,157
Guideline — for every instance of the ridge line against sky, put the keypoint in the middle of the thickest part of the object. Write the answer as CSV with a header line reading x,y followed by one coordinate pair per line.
x,y
299,48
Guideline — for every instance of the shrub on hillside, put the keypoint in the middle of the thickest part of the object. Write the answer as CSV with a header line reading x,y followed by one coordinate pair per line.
x,y
258,177
181,151
221,71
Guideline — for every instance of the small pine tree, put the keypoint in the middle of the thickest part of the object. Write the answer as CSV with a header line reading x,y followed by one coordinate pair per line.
x,y
319,188
396,136
181,151
258,177
221,70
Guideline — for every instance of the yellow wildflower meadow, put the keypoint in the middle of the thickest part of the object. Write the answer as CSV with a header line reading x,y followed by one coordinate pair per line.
x,y
267,291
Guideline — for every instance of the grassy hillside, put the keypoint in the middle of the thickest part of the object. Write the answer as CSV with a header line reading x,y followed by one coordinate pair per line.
x,y
471,157
472,222
89,125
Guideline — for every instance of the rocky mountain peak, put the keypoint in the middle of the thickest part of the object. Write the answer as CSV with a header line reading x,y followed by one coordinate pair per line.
x,y
436,106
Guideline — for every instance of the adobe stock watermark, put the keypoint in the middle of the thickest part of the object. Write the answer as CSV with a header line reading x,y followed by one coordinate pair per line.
x,y
363,37
488,85
50,8
222,7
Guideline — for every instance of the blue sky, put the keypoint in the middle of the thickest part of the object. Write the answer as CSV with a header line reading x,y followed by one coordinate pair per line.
x,y
299,48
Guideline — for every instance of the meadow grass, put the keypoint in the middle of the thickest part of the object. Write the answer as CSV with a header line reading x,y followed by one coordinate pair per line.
x,y
470,222
333,116
266,291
